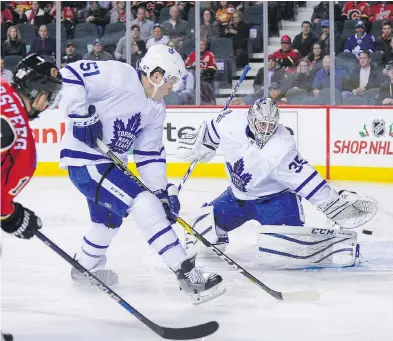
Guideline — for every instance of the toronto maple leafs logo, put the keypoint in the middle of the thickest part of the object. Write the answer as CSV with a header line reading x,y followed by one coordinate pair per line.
x,y
239,179
124,136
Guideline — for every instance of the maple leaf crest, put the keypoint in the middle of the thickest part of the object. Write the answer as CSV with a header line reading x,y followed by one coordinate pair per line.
x,y
124,136
239,180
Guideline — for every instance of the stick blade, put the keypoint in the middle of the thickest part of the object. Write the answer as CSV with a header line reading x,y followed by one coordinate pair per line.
x,y
303,296
189,333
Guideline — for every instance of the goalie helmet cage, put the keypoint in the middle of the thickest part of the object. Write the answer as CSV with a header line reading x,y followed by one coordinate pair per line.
x,y
328,119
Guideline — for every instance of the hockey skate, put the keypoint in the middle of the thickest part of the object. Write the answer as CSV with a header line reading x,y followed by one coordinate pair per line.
x,y
108,277
200,285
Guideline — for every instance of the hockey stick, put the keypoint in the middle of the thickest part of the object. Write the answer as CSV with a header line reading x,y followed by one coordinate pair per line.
x,y
188,333
307,295
226,106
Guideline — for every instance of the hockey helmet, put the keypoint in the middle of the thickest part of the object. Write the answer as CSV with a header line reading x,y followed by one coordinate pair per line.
x,y
33,75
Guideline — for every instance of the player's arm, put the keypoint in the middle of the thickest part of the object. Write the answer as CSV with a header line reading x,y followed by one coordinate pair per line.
x,y
344,208
87,126
201,145
15,218
150,159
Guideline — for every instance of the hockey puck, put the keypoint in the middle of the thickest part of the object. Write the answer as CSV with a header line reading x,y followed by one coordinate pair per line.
x,y
368,232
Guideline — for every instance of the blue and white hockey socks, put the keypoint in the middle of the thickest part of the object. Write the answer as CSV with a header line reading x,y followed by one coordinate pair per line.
x,y
150,217
95,244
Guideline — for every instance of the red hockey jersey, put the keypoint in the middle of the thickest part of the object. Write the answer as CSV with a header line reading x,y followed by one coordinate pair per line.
x,y
355,10
381,12
208,60
18,153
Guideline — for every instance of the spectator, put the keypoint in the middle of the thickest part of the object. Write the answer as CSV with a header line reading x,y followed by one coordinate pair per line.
x,y
363,78
238,31
360,41
304,41
70,55
208,70
325,42
304,77
174,27
224,13
316,56
388,56
209,28
19,8
274,75
208,62
97,52
355,10
287,57
98,16
34,12
321,12
7,17
185,88
277,94
138,46
158,36
322,78
44,45
14,44
5,73
145,25
385,96
118,13
381,11
68,20
383,41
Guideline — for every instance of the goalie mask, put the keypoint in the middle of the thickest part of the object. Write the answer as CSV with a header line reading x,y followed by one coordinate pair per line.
x,y
263,117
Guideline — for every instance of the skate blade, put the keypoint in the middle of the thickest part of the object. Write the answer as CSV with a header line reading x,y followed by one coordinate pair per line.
x,y
209,294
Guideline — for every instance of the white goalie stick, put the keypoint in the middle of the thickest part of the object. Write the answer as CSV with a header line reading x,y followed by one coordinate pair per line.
x,y
305,295
226,106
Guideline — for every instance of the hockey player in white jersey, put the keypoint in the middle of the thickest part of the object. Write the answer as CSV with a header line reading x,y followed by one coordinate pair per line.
x,y
112,101
268,178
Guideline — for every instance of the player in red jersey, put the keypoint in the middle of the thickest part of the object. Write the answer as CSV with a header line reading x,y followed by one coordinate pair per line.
x,y
35,85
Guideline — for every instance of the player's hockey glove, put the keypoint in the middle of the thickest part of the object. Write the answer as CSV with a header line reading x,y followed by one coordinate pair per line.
x,y
22,223
170,201
87,128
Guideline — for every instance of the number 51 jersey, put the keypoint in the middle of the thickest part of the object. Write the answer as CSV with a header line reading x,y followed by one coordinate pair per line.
x,y
256,172
129,118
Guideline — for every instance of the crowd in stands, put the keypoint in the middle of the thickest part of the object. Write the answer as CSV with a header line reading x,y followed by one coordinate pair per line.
x,y
298,72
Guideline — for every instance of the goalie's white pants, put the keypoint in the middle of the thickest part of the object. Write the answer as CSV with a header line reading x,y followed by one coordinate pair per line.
x,y
299,247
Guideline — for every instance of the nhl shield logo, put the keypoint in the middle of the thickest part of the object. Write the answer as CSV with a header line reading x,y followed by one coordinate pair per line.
x,y
379,127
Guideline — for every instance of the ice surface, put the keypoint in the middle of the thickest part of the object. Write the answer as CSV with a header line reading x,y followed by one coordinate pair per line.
x,y
40,303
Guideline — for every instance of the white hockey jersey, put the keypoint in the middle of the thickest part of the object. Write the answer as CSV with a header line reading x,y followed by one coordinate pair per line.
x,y
130,120
256,172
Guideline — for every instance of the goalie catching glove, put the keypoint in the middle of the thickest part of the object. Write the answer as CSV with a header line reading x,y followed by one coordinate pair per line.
x,y
348,210
196,146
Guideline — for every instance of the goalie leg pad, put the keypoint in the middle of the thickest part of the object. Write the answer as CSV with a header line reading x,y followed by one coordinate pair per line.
x,y
299,247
